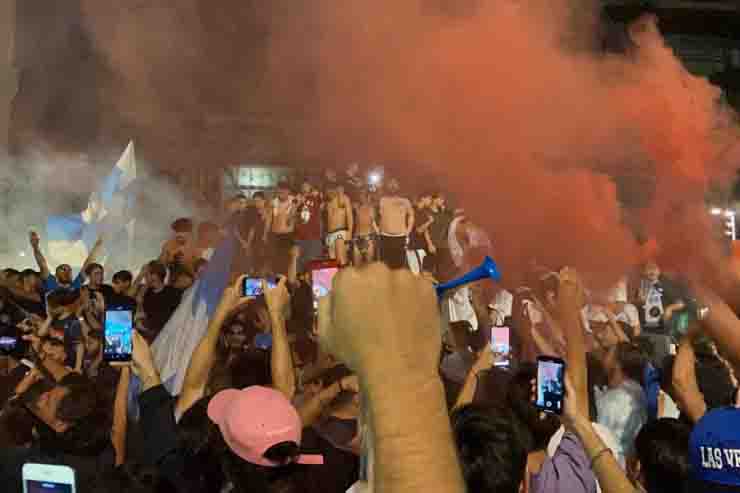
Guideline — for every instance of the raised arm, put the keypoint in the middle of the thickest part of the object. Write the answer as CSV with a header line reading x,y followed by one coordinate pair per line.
x,y
570,303
612,478
39,256
720,323
398,371
281,359
312,409
204,355
120,416
689,397
483,362
134,289
94,254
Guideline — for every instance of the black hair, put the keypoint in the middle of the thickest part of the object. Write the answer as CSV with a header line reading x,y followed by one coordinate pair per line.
x,y
182,225
90,268
715,381
158,269
88,421
662,446
11,272
519,401
131,478
123,276
258,195
632,360
200,443
491,451
252,367
26,273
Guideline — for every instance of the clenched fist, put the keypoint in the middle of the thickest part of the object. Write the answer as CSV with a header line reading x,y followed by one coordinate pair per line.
x,y
382,323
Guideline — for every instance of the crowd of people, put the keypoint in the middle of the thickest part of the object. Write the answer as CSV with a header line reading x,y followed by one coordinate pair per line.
x,y
379,384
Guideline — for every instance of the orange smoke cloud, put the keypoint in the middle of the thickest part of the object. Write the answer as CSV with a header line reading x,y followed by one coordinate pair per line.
x,y
530,130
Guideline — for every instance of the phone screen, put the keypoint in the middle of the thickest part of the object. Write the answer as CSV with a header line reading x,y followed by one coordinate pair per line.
x,y
47,487
8,344
322,281
118,335
252,286
500,345
550,384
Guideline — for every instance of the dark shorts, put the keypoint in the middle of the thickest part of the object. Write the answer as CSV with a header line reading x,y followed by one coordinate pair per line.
x,y
393,251
281,245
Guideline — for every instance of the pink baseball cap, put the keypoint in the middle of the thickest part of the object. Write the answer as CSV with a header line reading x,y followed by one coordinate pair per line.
x,y
255,419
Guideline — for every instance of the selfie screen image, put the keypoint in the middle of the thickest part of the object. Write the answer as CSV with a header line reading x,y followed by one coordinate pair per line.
x,y
322,280
550,386
118,344
500,344
253,287
47,487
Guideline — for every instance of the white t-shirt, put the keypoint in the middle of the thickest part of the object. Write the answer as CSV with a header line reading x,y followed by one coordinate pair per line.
x,y
623,410
629,315
503,305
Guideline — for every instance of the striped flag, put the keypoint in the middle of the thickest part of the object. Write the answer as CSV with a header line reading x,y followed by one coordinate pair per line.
x,y
109,212
175,345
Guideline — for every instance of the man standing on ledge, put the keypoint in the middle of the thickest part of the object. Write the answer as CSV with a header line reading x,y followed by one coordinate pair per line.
x,y
284,211
396,223
339,223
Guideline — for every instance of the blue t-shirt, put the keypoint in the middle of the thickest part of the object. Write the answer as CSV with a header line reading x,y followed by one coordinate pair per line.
x,y
50,283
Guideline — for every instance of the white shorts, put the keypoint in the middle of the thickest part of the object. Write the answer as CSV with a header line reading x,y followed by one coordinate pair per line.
x,y
332,238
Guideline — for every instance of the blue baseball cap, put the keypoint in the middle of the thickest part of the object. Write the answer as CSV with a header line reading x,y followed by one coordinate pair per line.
x,y
714,450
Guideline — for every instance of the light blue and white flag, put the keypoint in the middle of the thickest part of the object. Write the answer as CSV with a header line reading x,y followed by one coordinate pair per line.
x,y
175,345
109,212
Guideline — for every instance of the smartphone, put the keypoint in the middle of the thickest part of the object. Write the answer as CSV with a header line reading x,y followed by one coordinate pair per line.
x,y
8,345
550,384
11,344
43,478
252,286
322,276
501,346
118,332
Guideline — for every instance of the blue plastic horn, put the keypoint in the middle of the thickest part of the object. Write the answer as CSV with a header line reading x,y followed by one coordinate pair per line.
x,y
487,269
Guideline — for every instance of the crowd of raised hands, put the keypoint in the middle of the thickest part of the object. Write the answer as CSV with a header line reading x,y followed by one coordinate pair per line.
x,y
373,388
377,343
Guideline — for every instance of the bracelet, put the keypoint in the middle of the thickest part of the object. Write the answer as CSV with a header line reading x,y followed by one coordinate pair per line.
x,y
599,454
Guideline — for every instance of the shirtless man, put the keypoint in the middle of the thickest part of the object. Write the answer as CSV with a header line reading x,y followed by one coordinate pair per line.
x,y
396,223
339,223
180,248
284,210
366,231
